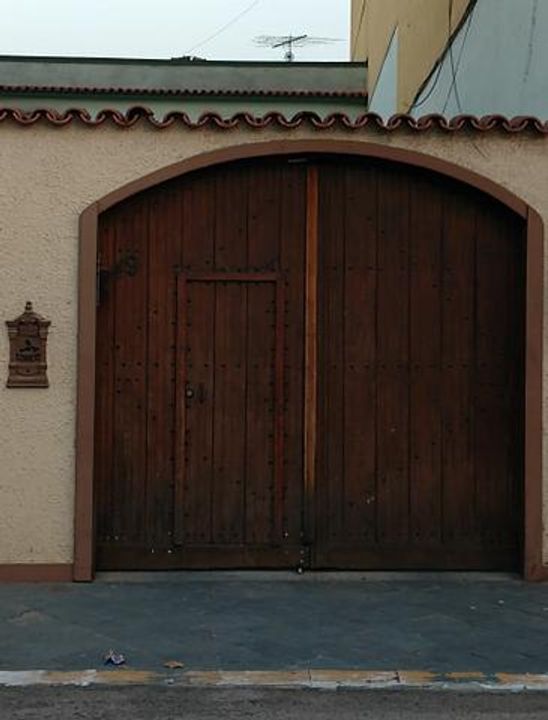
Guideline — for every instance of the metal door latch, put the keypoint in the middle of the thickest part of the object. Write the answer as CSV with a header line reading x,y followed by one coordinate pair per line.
x,y
190,392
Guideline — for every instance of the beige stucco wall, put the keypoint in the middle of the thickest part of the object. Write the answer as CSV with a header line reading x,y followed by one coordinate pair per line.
x,y
423,32
47,177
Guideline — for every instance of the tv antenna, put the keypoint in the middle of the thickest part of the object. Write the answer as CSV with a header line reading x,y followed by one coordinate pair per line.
x,y
288,42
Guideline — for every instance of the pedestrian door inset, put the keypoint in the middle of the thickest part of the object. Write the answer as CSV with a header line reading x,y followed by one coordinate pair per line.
x,y
231,417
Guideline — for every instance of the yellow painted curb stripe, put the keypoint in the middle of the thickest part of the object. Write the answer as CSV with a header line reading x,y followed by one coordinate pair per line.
x,y
327,679
78,677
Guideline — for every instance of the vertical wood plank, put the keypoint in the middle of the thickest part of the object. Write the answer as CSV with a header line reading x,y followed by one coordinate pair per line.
x,y
279,412
497,405
229,413
393,359
130,413
264,426
331,456
425,363
262,465
181,433
311,350
458,356
260,427
164,229
196,313
196,430
229,442
293,223
360,332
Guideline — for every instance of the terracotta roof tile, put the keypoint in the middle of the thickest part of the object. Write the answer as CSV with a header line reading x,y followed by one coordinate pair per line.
x,y
214,120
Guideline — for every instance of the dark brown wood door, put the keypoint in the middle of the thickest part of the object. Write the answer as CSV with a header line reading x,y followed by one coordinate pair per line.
x,y
310,362
229,493
200,372
420,430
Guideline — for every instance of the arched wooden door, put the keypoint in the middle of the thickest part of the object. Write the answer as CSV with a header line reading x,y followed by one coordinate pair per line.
x,y
309,361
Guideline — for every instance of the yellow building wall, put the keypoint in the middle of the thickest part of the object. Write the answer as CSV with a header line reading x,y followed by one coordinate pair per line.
x,y
424,26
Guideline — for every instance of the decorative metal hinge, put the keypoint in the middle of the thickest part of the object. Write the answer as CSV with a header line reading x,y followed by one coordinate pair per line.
x,y
127,264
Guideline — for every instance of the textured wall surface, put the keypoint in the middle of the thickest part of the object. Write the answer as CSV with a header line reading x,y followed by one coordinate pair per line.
x,y
48,176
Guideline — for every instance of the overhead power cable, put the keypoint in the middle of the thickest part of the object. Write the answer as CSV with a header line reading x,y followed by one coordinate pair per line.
x,y
436,76
227,25
454,68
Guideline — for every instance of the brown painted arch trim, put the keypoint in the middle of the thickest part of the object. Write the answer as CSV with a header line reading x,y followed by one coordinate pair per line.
x,y
534,569
36,572
216,121
246,151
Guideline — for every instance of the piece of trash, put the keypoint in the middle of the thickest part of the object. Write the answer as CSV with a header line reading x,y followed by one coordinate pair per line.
x,y
174,664
501,602
114,658
472,607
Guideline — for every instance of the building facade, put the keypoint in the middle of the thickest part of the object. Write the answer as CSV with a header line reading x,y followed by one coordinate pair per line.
x,y
191,86
273,344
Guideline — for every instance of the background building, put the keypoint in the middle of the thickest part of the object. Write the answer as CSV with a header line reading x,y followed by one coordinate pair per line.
x,y
453,57
191,86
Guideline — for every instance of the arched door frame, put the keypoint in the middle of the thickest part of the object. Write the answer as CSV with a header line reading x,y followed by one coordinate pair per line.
x,y
533,568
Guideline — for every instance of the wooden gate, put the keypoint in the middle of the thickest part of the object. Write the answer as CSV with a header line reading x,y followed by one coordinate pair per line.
x,y
310,361
200,372
421,342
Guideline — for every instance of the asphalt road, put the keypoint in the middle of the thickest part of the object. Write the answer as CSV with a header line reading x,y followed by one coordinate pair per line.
x,y
157,703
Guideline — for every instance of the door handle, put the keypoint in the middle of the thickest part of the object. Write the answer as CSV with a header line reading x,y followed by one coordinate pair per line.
x,y
190,393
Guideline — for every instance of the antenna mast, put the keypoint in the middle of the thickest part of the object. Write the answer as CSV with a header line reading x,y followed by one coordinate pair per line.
x,y
289,54
288,42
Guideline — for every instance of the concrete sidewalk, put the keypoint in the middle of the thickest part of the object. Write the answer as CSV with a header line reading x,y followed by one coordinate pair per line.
x,y
452,625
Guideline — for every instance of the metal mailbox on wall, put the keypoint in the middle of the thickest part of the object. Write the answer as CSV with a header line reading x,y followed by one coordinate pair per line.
x,y
28,338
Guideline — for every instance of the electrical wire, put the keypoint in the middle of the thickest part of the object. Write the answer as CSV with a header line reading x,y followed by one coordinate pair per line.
x,y
432,88
229,24
454,69
441,62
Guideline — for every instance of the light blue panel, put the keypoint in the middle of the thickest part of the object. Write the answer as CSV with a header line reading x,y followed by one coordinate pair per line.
x,y
384,100
499,59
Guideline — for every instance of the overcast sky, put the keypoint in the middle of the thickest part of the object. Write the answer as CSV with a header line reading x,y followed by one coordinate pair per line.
x,y
171,28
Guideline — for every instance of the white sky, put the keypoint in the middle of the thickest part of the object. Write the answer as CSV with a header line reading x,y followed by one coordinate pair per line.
x,y
170,28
